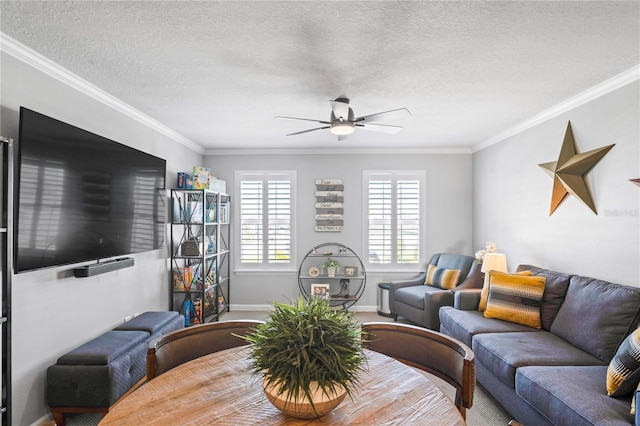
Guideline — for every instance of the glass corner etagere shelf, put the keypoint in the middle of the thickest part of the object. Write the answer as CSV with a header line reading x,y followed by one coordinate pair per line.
x,y
200,235
344,286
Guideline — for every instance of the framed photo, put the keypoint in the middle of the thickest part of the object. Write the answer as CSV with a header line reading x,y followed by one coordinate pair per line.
x,y
320,290
350,271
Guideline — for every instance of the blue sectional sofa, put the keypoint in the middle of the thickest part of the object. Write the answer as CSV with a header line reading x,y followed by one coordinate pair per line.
x,y
555,375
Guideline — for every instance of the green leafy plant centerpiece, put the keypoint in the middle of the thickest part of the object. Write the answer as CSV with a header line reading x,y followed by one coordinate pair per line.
x,y
308,353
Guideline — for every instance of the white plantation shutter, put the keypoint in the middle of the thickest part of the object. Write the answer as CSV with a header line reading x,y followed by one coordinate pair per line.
x,y
380,221
251,222
394,211
408,221
266,217
279,241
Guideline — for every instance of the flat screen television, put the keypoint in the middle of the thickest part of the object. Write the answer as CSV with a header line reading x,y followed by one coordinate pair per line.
x,y
80,197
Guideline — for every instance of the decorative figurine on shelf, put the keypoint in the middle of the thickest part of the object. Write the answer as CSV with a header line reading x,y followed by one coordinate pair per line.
x,y
342,250
344,288
188,312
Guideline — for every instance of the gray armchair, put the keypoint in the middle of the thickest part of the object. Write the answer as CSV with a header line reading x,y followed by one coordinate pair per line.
x,y
420,303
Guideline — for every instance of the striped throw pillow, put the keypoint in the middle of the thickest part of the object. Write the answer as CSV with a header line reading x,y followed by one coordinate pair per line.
x,y
440,277
623,373
515,298
485,288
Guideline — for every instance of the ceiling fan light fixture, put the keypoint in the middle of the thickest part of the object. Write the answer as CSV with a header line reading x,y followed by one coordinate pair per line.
x,y
342,128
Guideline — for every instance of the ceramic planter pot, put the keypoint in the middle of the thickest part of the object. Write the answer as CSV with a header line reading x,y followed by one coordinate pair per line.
x,y
301,408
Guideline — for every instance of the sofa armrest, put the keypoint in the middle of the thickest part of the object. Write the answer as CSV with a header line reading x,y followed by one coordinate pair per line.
x,y
466,300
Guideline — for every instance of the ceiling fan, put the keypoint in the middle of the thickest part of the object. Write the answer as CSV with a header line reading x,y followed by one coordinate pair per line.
x,y
342,122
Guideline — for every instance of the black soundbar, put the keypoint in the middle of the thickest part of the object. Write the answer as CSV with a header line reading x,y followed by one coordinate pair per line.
x,y
102,267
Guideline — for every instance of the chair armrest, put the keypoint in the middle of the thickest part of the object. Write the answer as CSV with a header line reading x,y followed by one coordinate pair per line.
x,y
466,300
419,280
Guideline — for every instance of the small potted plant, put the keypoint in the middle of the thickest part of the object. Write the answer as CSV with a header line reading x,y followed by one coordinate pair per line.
x,y
332,266
309,355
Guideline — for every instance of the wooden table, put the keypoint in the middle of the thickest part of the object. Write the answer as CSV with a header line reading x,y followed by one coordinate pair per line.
x,y
220,389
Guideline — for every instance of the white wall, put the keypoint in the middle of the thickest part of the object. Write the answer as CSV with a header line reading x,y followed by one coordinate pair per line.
x,y
52,312
512,194
448,212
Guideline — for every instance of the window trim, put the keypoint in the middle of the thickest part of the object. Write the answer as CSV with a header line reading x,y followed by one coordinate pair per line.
x,y
368,175
263,267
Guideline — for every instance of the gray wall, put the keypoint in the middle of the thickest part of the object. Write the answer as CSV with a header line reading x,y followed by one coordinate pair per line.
x,y
512,194
52,311
448,213
504,197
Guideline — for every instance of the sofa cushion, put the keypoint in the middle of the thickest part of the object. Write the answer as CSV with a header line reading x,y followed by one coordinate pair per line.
x,y
503,353
104,349
555,290
463,325
442,278
596,315
515,298
572,395
623,373
414,295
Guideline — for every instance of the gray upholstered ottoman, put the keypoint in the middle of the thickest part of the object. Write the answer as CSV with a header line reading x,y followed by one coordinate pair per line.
x,y
157,324
93,376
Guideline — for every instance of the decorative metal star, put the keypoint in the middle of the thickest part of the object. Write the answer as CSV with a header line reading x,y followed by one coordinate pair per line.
x,y
569,172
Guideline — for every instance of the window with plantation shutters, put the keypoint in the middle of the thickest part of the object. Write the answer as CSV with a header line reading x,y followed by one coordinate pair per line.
x,y
266,218
394,213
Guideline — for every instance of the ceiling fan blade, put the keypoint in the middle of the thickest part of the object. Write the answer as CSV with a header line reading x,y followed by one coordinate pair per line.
x,y
303,119
384,128
340,107
386,115
309,130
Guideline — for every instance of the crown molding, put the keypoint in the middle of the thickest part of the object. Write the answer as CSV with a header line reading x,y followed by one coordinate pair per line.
x,y
608,86
54,70
29,56
339,151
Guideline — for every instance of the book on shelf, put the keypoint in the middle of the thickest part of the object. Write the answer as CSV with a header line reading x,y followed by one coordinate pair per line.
x,y
201,176
225,210
197,308
182,278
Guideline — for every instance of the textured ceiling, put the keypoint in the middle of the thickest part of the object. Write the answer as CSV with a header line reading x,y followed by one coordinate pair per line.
x,y
218,72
